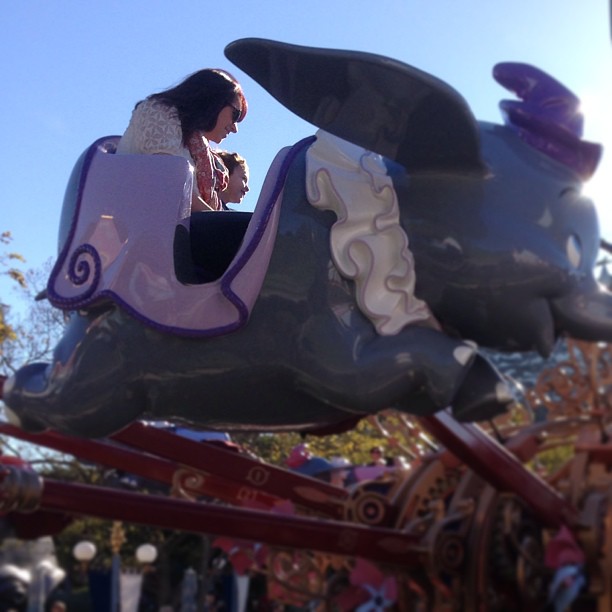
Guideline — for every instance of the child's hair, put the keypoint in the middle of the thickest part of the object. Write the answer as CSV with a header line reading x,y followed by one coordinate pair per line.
x,y
231,160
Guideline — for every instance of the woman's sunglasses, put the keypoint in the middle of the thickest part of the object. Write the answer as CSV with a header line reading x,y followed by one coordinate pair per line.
x,y
235,114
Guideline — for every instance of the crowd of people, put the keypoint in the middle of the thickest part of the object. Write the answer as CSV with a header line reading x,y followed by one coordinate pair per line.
x,y
338,470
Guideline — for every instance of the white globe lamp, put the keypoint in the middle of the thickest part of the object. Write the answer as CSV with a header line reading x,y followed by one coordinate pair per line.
x,y
146,554
84,551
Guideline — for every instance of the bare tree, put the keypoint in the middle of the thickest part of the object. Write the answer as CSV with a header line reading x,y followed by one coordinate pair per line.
x,y
35,324
7,259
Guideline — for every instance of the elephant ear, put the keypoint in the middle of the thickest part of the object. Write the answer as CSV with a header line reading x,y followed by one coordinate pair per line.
x,y
372,101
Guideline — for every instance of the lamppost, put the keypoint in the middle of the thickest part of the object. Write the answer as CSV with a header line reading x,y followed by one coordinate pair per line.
x,y
117,539
84,552
146,554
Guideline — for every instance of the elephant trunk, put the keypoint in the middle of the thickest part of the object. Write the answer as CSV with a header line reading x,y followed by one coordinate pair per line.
x,y
585,314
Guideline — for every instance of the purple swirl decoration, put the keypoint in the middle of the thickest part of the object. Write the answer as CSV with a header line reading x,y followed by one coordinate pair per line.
x,y
547,117
80,270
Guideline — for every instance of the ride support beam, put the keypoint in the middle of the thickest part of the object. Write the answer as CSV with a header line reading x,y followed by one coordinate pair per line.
x,y
180,479
238,468
381,545
500,468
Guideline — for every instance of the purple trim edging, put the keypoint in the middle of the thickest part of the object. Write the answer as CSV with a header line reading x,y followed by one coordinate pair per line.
x,y
226,279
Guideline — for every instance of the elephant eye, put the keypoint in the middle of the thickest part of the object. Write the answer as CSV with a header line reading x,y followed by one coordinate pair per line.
x,y
569,191
573,250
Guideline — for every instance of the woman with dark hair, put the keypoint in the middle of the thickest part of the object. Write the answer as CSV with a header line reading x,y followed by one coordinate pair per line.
x,y
182,120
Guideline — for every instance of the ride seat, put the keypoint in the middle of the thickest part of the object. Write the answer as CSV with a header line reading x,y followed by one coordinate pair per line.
x,y
126,237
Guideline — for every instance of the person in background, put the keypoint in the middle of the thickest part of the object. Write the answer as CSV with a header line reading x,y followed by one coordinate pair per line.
x,y
238,181
183,120
302,460
341,473
376,456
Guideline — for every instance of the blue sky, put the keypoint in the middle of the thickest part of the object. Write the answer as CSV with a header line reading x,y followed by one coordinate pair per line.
x,y
72,71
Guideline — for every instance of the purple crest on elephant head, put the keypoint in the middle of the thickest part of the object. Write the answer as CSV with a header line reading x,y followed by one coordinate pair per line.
x,y
548,116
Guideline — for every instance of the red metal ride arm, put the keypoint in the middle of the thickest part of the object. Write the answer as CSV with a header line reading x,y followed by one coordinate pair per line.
x,y
502,470
28,492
